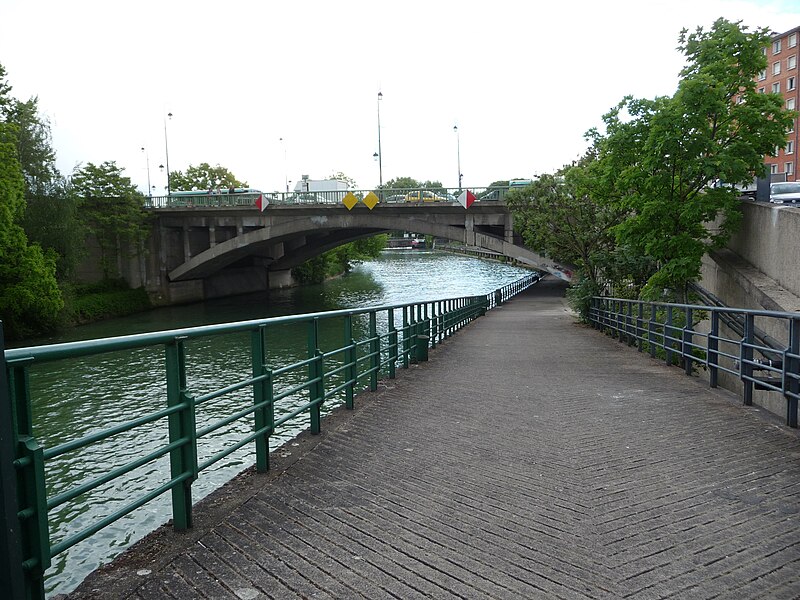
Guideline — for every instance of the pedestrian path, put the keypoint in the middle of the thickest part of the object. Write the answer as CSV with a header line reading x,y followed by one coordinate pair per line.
x,y
531,457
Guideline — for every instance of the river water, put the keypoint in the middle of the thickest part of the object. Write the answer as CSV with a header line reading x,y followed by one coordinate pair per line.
x,y
75,397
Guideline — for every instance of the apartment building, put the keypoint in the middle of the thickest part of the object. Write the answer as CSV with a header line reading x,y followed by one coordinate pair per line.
x,y
781,77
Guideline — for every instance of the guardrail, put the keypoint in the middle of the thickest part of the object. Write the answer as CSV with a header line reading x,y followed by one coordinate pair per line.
x,y
387,196
393,336
669,331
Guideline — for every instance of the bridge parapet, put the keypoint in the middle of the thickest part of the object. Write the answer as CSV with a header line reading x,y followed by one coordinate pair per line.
x,y
223,199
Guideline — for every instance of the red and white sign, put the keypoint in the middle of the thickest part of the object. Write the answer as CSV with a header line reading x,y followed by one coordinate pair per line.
x,y
262,203
466,198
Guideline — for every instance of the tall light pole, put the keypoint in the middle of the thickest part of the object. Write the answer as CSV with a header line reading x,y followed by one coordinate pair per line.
x,y
166,151
147,160
285,169
458,154
380,152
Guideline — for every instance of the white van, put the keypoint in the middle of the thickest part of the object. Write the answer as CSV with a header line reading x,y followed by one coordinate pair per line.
x,y
785,192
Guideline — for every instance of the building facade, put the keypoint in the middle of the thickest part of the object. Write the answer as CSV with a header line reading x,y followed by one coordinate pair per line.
x,y
781,77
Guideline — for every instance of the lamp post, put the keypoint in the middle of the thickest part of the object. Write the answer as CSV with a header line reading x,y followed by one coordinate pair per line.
x,y
147,161
458,155
166,151
285,169
380,153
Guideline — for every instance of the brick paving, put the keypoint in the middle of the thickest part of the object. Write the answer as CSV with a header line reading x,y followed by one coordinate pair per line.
x,y
532,457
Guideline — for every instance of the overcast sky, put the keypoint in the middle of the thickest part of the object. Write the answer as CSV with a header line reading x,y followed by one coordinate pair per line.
x,y
523,80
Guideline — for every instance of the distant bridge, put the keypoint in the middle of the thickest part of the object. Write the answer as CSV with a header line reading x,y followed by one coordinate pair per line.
x,y
210,245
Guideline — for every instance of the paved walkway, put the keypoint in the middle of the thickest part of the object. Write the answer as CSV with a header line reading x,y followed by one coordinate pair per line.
x,y
532,457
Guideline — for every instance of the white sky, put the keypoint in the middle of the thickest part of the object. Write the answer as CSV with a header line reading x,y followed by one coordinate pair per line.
x,y
523,80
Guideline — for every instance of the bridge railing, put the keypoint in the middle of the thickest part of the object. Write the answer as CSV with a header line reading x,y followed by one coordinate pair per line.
x,y
719,339
387,196
345,352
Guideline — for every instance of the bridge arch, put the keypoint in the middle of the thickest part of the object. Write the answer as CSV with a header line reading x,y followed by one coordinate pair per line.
x,y
286,241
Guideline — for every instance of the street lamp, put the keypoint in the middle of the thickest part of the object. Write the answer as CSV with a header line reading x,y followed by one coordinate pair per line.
x,y
147,160
458,154
285,169
166,151
380,153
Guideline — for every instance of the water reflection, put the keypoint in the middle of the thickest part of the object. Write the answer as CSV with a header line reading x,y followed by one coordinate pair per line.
x,y
75,397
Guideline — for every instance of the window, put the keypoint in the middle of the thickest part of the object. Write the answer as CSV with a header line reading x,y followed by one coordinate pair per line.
x,y
776,87
792,40
776,68
773,169
776,151
791,62
790,84
791,128
790,147
790,104
776,46
761,90
762,74
788,168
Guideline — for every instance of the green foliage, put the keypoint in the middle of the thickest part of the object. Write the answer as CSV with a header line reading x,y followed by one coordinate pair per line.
x,y
658,156
408,183
29,296
105,301
34,147
559,217
112,209
339,176
402,183
204,177
339,260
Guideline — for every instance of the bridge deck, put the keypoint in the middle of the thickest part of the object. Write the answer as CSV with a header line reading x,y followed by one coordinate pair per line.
x,y
531,457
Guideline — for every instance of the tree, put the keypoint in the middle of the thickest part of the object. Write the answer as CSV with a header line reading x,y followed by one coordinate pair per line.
x,y
29,296
658,157
339,176
204,177
34,147
113,212
408,183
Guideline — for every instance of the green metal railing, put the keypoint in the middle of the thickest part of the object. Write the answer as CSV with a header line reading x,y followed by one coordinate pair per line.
x,y
393,336
388,196
731,340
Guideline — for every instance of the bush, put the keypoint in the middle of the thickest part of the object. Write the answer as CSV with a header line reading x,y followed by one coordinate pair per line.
x,y
102,300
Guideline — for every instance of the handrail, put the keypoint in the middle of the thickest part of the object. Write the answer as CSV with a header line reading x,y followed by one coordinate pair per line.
x,y
493,194
670,331
396,335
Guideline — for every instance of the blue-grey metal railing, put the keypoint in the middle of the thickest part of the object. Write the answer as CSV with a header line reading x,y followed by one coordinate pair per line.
x,y
425,196
670,331
394,336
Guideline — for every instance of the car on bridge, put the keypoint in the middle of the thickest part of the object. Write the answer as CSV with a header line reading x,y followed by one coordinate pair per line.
x,y
784,192
424,196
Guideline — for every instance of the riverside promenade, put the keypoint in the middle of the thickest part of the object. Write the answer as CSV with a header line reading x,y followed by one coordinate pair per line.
x,y
531,457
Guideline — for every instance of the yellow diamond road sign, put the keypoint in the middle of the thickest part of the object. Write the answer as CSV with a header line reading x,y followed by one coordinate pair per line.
x,y
371,200
350,200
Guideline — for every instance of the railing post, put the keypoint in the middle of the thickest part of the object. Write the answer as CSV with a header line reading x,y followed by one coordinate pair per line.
x,y
350,372
791,370
182,459
686,342
11,572
713,348
406,337
434,325
651,329
316,390
746,362
392,345
262,397
668,334
374,351
639,328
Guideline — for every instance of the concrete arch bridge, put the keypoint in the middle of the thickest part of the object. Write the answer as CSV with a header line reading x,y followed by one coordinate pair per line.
x,y
197,253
